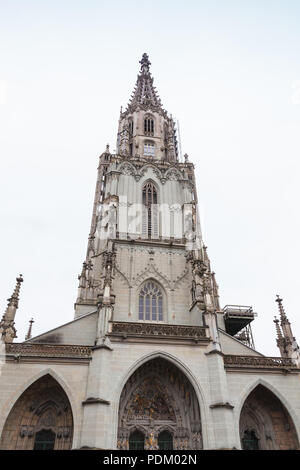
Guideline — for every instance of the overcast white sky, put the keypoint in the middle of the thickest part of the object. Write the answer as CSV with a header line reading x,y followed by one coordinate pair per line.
x,y
228,70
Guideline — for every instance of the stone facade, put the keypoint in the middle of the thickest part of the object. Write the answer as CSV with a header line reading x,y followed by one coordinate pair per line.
x,y
150,359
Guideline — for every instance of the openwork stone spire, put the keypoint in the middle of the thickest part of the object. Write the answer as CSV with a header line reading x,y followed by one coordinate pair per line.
x,y
144,95
7,328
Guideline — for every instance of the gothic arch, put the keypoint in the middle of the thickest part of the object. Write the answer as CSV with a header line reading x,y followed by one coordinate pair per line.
x,y
158,174
43,405
155,184
173,170
128,168
146,273
16,395
249,388
185,426
264,415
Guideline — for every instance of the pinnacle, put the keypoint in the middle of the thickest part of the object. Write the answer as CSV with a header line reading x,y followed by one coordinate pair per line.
x,y
144,94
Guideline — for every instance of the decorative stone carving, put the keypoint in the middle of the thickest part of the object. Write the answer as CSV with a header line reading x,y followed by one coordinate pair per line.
x,y
258,362
153,329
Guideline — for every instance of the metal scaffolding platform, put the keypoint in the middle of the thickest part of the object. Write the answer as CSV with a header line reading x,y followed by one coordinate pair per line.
x,y
237,322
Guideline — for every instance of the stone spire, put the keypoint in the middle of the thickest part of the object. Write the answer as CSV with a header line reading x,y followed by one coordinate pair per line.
x,y
144,95
29,335
7,328
286,342
284,322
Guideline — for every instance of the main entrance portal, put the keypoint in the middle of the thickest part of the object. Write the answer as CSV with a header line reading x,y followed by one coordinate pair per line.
x,y
159,409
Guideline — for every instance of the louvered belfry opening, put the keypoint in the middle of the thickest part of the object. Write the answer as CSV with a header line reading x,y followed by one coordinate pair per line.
x,y
149,126
150,210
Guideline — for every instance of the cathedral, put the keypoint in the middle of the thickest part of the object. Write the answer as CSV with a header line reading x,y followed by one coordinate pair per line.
x,y
151,360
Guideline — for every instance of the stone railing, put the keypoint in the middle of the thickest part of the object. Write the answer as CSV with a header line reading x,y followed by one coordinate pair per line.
x,y
258,362
48,350
158,330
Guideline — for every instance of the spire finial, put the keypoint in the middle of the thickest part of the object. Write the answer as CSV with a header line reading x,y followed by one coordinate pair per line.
x,y
7,328
145,64
283,316
28,336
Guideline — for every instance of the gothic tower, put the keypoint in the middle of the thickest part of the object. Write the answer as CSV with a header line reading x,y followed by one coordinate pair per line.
x,y
145,240
146,269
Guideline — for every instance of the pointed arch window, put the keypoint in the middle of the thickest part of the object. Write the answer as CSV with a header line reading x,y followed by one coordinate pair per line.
x,y
150,211
151,302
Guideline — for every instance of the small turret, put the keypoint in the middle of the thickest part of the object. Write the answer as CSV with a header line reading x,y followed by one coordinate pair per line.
x,y
29,332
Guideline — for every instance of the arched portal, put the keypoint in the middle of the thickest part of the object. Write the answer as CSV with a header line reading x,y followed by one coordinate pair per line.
x,y
41,419
160,403
265,424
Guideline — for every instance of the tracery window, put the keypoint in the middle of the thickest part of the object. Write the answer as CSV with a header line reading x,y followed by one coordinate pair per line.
x,y
148,126
151,302
150,211
149,149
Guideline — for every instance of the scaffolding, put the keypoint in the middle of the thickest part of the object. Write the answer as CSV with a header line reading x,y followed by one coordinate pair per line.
x,y
238,320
